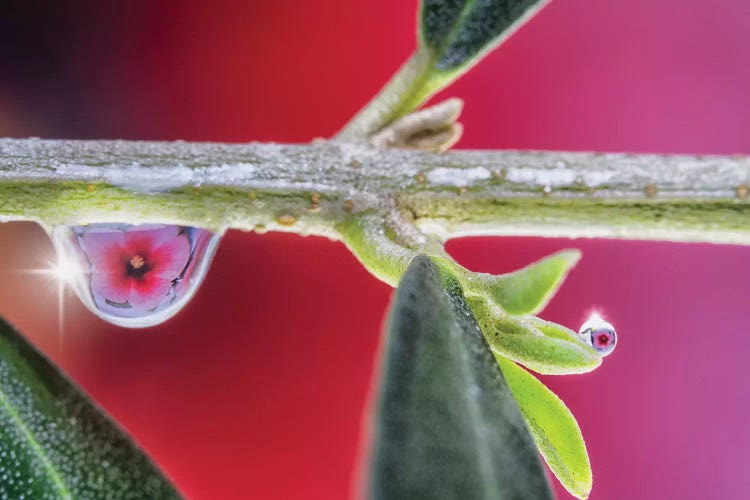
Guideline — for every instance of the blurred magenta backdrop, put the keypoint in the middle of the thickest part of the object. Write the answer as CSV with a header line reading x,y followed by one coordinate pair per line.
x,y
257,389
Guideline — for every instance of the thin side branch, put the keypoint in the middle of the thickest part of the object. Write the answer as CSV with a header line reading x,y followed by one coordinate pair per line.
x,y
405,91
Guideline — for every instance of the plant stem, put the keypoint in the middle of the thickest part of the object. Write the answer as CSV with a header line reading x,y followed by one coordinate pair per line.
x,y
313,189
407,89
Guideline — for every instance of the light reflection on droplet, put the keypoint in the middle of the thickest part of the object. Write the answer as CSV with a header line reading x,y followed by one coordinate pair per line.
x,y
134,275
599,334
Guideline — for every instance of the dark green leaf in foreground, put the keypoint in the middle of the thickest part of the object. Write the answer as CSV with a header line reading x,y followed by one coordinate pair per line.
x,y
457,32
55,443
447,425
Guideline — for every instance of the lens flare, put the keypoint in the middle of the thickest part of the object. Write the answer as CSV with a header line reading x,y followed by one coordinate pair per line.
x,y
63,270
60,273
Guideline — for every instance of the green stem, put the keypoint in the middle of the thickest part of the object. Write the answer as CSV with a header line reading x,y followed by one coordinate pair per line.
x,y
407,89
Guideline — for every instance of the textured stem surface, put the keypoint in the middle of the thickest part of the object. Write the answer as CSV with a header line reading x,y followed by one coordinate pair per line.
x,y
312,189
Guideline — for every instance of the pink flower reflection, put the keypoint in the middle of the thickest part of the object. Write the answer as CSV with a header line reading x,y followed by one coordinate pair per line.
x,y
135,268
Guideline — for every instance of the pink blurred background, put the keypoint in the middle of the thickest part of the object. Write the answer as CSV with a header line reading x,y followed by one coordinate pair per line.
x,y
256,390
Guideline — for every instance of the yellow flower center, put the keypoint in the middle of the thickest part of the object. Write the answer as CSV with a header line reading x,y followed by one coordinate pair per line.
x,y
136,262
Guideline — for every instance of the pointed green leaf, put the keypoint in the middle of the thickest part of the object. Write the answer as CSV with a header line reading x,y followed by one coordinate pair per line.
x,y
554,428
56,443
459,32
528,290
542,346
447,426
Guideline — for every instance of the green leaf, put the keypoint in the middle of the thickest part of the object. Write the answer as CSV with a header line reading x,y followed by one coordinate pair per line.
x,y
56,443
453,36
528,290
554,428
542,346
447,425
459,32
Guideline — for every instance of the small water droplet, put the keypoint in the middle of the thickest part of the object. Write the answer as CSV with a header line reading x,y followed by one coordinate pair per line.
x,y
599,334
134,275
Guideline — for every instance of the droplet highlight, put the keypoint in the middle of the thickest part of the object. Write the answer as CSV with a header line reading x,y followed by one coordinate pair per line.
x,y
599,334
134,275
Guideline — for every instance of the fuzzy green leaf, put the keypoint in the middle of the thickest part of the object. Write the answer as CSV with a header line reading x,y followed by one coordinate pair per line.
x,y
56,443
528,290
459,32
553,427
453,36
542,346
447,425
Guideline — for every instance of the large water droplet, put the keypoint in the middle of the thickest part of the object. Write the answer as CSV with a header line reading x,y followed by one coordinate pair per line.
x,y
134,275
599,334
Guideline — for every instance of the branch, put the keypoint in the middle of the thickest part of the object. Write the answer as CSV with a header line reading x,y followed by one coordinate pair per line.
x,y
313,189
405,91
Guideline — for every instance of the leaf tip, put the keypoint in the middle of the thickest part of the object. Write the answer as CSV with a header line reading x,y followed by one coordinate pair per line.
x,y
528,290
554,428
580,490
570,256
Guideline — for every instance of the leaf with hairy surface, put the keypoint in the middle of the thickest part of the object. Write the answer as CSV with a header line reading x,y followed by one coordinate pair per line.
x,y
526,291
447,425
458,32
56,443
554,428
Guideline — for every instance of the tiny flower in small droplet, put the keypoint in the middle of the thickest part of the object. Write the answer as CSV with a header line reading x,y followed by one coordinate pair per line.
x,y
599,334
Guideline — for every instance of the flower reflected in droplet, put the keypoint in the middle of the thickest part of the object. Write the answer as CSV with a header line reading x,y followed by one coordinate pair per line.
x,y
134,275
135,268
599,334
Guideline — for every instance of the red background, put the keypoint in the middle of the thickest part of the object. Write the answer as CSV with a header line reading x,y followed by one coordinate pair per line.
x,y
257,388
